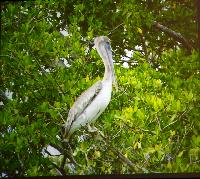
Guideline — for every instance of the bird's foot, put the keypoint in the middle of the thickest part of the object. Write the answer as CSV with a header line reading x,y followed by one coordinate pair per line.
x,y
92,128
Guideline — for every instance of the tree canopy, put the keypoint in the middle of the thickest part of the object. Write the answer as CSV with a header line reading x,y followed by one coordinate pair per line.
x,y
152,122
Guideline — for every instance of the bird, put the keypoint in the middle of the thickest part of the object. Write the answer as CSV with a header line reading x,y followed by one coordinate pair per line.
x,y
92,102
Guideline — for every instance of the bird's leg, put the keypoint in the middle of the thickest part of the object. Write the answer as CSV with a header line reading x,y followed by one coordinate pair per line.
x,y
91,128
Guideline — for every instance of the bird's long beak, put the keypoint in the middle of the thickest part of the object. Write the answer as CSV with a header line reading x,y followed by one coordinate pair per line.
x,y
111,65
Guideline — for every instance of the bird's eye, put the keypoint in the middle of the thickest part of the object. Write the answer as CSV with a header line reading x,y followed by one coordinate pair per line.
x,y
108,45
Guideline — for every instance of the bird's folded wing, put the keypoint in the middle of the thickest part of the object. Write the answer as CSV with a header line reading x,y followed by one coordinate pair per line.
x,y
81,104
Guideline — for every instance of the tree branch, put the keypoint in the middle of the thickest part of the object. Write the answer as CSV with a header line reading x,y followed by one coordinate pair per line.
x,y
59,170
124,159
68,154
175,35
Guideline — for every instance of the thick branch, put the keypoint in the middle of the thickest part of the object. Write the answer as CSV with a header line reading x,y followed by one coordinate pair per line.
x,y
66,153
175,35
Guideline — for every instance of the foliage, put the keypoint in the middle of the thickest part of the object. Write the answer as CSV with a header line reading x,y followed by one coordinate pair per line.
x,y
152,120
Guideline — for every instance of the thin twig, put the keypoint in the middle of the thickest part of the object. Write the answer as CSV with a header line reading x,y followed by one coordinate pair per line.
x,y
43,71
186,111
115,28
128,162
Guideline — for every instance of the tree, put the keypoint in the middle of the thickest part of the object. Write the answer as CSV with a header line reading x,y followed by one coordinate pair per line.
x,y
151,124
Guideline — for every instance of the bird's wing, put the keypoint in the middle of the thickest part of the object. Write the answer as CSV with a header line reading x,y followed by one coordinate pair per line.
x,y
81,104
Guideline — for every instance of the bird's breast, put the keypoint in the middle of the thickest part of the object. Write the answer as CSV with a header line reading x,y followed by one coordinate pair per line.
x,y
101,101
104,96
96,107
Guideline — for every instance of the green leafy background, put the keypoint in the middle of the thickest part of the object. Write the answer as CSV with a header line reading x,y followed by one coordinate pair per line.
x,y
153,120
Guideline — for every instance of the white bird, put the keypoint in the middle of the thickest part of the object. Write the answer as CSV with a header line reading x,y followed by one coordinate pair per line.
x,y
91,103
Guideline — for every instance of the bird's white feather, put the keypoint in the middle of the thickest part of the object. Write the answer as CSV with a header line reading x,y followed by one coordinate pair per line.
x,y
95,108
81,104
